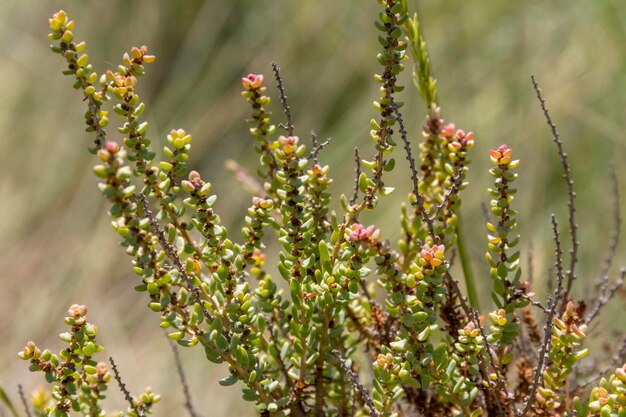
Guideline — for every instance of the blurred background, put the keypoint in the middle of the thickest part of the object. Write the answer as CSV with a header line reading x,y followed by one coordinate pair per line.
x,y
56,243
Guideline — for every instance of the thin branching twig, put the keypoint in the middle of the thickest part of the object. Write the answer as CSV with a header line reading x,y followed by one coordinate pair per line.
x,y
357,171
553,303
124,390
317,147
571,274
173,255
419,200
456,183
354,379
605,297
20,389
283,99
315,151
533,302
183,380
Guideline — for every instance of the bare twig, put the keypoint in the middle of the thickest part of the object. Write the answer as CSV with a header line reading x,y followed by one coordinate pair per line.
x,y
173,255
183,380
357,171
605,297
20,389
553,303
354,379
419,200
124,390
283,99
317,147
571,275
456,183
535,303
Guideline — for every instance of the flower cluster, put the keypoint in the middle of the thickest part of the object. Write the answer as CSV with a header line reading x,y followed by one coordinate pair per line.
x,y
367,235
567,337
78,381
609,399
260,126
432,256
502,256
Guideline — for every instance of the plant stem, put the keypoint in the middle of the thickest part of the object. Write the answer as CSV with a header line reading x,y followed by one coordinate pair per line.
x,y
466,265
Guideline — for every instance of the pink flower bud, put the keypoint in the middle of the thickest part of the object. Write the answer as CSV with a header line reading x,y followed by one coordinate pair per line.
x,y
355,233
195,179
112,147
448,130
502,156
77,311
252,81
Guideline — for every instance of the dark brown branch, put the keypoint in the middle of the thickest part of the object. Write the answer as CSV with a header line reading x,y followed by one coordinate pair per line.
x,y
124,390
20,389
535,303
173,255
553,303
419,200
456,183
317,147
183,380
357,172
571,275
354,379
283,99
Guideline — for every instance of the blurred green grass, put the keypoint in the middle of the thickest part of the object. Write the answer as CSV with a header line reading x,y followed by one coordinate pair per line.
x,y
56,246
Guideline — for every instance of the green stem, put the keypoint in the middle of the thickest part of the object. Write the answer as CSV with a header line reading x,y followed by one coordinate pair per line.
x,y
4,398
466,265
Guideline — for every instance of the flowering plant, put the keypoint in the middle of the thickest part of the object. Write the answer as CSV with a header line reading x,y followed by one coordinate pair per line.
x,y
293,343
